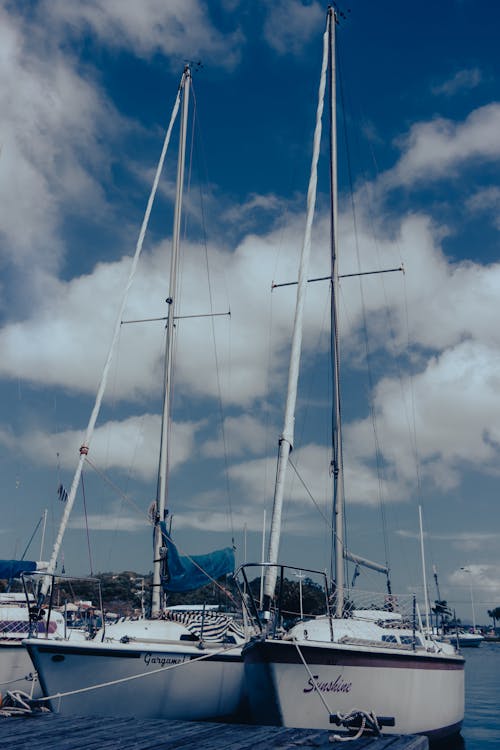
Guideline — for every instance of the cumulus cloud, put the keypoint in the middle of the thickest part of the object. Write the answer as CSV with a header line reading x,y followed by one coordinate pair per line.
x,y
445,313
129,445
53,121
436,149
243,434
486,202
181,29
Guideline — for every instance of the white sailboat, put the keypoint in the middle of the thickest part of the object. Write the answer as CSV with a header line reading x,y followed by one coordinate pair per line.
x,y
173,665
16,668
350,667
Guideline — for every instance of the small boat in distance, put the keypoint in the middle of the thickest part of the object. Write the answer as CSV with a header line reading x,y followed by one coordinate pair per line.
x,y
464,639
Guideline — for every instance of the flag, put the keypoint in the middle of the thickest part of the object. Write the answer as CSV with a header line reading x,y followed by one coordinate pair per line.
x,y
62,494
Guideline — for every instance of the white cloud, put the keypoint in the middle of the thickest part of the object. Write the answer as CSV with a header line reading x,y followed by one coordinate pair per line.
x,y
54,123
246,215
243,435
436,149
181,29
74,326
482,580
453,400
463,80
130,445
486,201
310,492
290,25
110,522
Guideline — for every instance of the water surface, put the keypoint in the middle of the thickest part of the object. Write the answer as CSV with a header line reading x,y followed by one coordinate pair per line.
x,y
481,727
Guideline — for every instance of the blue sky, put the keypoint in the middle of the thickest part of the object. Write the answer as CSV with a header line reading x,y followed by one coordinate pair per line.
x,y
86,94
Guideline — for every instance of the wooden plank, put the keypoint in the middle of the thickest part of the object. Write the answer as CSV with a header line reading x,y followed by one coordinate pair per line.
x,y
93,733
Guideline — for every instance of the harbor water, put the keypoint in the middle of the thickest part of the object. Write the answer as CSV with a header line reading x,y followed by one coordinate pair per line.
x,y
481,728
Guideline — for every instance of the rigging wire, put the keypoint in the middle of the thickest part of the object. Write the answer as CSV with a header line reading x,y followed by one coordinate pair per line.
x,y
409,418
124,496
214,338
371,385
86,523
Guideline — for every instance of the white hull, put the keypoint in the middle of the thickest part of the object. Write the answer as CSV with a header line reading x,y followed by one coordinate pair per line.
x,y
16,670
464,640
424,694
187,689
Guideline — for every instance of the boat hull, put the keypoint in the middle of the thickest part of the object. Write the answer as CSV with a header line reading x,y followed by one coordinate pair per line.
x,y
150,680
424,694
16,669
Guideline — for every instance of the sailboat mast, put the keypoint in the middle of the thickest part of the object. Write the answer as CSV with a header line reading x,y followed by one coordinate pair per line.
x,y
162,486
337,464
286,439
84,449
424,572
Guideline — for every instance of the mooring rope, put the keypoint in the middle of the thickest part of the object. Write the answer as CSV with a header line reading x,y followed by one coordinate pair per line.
x,y
368,718
314,682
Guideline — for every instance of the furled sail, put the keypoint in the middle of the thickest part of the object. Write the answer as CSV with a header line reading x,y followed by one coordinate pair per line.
x,y
189,573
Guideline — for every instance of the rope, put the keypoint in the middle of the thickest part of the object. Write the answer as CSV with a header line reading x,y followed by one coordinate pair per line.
x,y
97,686
28,677
18,703
368,719
311,676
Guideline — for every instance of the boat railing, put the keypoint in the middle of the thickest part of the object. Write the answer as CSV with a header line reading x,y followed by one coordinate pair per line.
x,y
301,593
71,596
305,594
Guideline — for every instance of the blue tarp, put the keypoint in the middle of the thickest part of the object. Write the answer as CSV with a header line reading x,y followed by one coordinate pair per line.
x,y
189,573
13,568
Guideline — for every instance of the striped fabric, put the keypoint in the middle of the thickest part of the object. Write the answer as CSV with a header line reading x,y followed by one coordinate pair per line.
x,y
215,626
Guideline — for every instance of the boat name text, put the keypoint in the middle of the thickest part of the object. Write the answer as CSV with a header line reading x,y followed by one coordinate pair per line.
x,y
162,660
334,686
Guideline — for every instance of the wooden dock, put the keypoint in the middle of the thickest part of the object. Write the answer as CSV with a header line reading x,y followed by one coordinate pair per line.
x,y
47,731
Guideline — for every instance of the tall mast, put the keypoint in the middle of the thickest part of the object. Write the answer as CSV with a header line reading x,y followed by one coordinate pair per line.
x,y
162,486
286,439
337,464
85,447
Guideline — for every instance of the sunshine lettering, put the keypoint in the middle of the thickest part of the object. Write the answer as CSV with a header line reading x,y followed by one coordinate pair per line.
x,y
336,686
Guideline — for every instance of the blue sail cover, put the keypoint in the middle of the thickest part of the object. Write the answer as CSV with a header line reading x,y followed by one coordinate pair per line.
x,y
13,568
189,573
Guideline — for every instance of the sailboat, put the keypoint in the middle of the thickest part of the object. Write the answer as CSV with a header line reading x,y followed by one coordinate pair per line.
x,y
171,665
353,666
16,668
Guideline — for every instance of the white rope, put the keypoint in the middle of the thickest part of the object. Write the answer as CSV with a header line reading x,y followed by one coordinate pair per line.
x,y
104,377
366,717
17,703
316,687
97,686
